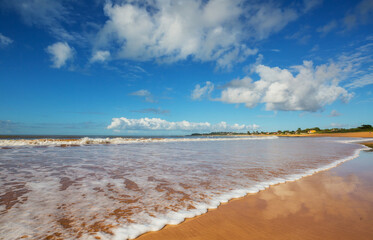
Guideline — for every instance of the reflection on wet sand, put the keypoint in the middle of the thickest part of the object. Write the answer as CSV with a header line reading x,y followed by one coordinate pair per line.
x,y
335,204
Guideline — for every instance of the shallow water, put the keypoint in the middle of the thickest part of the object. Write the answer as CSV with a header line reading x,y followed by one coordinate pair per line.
x,y
335,205
119,191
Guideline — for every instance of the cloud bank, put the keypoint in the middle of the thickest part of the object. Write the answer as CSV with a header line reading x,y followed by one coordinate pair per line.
x,y
302,88
60,53
163,125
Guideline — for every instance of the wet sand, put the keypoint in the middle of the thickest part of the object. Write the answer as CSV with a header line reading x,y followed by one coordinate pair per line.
x,y
334,204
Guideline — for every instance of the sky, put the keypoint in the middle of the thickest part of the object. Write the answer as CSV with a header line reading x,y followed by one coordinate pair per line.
x,y
171,67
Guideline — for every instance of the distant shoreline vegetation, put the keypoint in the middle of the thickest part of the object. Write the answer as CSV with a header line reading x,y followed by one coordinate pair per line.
x,y
219,134
362,128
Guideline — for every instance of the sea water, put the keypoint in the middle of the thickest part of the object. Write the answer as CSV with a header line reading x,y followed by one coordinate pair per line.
x,y
121,188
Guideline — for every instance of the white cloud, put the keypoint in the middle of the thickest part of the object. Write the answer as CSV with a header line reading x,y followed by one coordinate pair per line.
x,y
308,90
311,4
251,68
38,11
362,81
315,48
200,92
60,53
5,41
302,35
361,14
358,63
334,113
144,93
44,13
100,56
169,31
163,125
267,18
152,110
328,27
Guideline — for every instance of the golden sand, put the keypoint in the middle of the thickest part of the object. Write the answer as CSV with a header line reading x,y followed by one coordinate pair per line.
x,y
349,134
368,144
334,204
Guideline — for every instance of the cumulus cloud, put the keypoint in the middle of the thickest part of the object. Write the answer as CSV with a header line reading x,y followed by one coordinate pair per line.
x,y
5,41
60,53
100,56
309,88
144,93
251,68
169,31
163,125
200,92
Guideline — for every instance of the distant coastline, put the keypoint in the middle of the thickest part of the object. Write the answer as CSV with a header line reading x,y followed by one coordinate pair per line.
x,y
364,130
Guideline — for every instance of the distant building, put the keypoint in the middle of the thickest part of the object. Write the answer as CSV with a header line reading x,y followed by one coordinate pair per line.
x,y
312,131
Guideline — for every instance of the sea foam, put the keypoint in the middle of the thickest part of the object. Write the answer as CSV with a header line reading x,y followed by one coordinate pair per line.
x,y
176,218
120,191
118,140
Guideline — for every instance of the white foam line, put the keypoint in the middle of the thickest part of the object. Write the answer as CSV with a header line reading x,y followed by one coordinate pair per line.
x,y
87,140
356,140
173,218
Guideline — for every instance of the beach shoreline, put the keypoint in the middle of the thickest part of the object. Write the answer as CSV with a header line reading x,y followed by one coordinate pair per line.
x,y
366,134
68,183
228,222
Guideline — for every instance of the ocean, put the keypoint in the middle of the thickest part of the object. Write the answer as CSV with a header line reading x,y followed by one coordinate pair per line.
x,y
120,188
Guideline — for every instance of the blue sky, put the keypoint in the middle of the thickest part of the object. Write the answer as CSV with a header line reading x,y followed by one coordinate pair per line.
x,y
177,67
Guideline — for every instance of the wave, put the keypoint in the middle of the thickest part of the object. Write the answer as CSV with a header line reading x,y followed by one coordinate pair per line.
x,y
108,182
119,140
174,218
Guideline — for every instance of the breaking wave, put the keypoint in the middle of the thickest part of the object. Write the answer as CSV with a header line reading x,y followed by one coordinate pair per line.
x,y
118,140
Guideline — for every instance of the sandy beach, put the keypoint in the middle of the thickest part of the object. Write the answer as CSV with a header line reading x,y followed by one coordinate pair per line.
x,y
187,119
349,134
333,204
367,134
